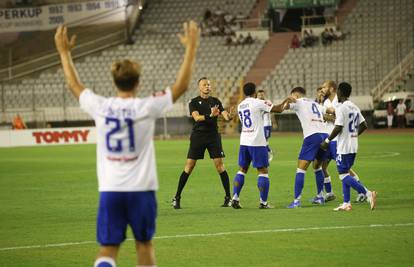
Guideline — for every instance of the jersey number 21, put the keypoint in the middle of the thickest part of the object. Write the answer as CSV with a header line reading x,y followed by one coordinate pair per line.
x,y
116,127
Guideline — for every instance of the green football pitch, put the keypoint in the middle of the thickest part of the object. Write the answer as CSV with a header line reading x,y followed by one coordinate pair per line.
x,y
48,203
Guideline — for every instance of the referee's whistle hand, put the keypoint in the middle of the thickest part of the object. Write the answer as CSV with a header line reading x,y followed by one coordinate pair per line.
x,y
215,111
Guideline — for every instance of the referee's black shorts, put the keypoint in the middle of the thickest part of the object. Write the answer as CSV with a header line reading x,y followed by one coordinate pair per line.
x,y
199,142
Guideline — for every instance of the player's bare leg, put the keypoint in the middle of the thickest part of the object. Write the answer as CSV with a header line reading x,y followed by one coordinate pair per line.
x,y
145,253
107,256
237,187
225,181
188,169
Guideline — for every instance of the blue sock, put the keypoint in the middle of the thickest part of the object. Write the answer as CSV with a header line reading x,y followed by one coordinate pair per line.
x,y
320,178
238,183
328,185
346,190
263,185
352,182
299,182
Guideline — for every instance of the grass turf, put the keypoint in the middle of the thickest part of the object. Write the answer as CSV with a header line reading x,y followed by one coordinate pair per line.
x,y
48,196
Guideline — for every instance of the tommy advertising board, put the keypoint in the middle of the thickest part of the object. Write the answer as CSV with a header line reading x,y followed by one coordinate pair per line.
x,y
49,136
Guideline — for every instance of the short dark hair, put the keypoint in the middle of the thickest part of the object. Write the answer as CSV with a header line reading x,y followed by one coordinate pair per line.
x,y
261,91
249,89
345,89
298,89
202,78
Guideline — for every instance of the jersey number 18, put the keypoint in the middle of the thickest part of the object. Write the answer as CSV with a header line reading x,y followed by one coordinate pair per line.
x,y
245,118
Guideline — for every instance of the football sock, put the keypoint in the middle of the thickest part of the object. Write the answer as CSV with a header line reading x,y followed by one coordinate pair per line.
x,y
319,181
104,262
238,184
328,185
263,185
299,181
226,182
183,180
352,182
359,181
346,190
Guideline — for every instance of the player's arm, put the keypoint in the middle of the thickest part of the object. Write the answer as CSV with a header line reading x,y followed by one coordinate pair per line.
x,y
283,106
64,46
334,133
362,127
190,40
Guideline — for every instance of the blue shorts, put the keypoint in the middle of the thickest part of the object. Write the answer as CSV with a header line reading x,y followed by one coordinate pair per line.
x,y
332,150
311,147
255,154
267,132
118,209
344,162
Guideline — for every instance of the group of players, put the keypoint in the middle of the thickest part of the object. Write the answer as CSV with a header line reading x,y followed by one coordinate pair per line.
x,y
126,169
324,120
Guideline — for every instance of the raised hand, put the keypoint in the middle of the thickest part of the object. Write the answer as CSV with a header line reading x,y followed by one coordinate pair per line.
x,y
62,42
191,35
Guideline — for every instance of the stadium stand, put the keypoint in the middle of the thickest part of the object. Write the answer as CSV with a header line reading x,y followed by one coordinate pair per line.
x,y
156,48
381,34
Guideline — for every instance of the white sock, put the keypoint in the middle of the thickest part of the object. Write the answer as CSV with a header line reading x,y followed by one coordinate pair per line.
x,y
108,260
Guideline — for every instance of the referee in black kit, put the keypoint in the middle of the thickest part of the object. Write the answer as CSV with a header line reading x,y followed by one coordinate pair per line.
x,y
205,109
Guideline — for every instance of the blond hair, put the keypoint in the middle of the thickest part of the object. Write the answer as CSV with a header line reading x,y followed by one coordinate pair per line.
x,y
126,74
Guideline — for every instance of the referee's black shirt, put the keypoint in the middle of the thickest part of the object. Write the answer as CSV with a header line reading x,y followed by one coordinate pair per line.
x,y
203,106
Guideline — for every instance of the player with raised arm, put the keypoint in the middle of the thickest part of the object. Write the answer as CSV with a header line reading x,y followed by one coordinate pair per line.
x,y
310,114
205,110
253,143
331,101
127,176
269,123
349,124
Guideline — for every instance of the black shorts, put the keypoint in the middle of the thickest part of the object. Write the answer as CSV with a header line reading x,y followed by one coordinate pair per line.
x,y
199,142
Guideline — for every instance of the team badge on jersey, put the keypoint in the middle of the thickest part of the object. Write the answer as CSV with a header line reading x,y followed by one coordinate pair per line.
x,y
159,93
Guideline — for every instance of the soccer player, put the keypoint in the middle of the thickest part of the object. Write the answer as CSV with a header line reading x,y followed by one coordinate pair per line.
x,y
253,143
331,101
205,109
349,124
126,168
268,121
310,114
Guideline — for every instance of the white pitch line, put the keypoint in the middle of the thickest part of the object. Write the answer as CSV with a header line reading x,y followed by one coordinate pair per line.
x,y
280,230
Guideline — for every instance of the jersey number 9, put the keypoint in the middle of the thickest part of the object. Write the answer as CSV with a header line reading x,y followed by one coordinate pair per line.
x,y
116,123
